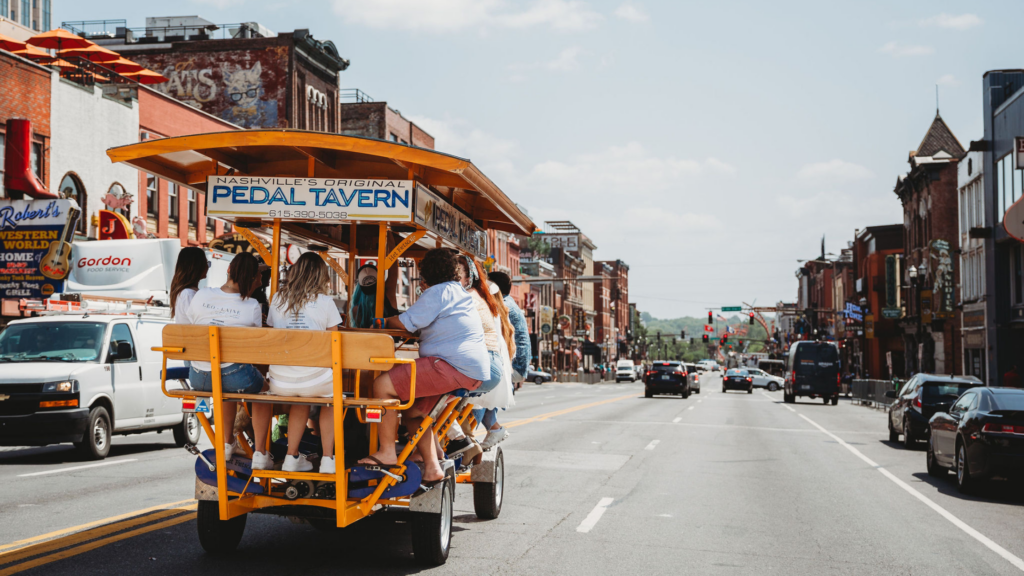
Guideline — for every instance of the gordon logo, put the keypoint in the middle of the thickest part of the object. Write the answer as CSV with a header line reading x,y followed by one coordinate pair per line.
x,y
108,261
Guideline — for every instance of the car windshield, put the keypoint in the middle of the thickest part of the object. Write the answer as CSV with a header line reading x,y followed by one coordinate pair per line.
x,y
1009,399
51,342
814,353
944,391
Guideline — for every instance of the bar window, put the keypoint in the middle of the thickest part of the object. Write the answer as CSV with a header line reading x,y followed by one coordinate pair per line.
x,y
152,197
193,209
172,201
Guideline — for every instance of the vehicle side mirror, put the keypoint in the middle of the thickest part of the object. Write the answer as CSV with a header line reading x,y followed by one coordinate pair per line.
x,y
890,393
123,352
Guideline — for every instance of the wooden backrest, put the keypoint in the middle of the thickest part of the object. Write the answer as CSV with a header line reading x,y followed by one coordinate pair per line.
x,y
275,346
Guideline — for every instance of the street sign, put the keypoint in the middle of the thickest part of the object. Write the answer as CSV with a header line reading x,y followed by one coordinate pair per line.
x,y
892,313
732,308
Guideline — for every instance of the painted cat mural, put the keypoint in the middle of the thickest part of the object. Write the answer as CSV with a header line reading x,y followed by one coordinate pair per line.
x,y
243,90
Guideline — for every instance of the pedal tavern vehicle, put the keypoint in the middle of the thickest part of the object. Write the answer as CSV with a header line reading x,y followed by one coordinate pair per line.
x,y
342,197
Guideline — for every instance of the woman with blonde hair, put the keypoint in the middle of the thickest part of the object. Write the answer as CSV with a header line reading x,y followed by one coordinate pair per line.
x,y
302,303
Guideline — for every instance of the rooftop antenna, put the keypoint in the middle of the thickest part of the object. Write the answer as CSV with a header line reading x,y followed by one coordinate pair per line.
x,y
936,99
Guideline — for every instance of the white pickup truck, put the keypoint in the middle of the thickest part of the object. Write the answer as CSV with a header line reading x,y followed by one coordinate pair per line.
x,y
82,378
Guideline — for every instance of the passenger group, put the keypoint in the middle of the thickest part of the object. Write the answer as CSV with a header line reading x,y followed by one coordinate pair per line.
x,y
471,337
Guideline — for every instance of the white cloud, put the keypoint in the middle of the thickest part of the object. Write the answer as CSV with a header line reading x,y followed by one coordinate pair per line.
x,y
631,13
833,171
948,80
439,16
716,165
567,59
961,22
898,50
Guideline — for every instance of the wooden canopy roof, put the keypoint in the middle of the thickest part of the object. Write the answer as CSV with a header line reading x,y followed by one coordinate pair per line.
x,y
189,160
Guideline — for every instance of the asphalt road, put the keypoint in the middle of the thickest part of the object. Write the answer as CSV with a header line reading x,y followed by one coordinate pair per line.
x,y
599,480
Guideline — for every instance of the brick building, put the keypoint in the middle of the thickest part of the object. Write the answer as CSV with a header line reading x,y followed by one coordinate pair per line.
x,y
876,254
931,242
619,306
25,93
378,120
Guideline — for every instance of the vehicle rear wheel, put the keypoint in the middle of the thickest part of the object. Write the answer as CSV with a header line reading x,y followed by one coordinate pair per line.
x,y
487,495
648,394
964,483
538,380
432,533
188,431
894,436
773,387
934,469
824,399
787,398
750,390
686,392
95,444
218,536
723,389
908,438
835,400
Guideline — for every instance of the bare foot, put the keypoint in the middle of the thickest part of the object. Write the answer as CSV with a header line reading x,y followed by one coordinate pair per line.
x,y
379,459
415,458
432,472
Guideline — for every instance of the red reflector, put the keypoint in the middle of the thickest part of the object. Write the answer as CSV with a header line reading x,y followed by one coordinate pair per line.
x,y
1003,428
917,402
59,404
188,404
374,414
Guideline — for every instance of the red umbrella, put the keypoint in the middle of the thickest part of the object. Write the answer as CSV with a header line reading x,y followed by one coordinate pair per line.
x,y
146,77
92,53
10,44
123,65
32,52
58,39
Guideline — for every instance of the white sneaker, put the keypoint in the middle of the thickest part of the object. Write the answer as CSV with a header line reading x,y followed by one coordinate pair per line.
x,y
494,437
297,464
229,450
261,461
327,465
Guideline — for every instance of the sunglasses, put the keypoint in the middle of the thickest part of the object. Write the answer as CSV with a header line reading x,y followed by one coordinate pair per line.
x,y
236,96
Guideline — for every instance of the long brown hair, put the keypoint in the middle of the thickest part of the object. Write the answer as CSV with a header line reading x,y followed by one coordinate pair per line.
x,y
306,280
244,270
190,269
497,307
508,332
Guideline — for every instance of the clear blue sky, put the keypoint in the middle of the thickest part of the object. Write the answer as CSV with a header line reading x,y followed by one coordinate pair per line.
x,y
707,144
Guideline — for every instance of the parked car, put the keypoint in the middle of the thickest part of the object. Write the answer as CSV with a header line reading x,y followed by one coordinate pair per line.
x,y
693,378
82,379
666,377
737,379
708,366
537,376
624,370
919,399
773,367
812,371
980,436
763,379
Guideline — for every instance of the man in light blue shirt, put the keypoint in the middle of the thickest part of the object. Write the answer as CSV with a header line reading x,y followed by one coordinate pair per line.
x,y
518,320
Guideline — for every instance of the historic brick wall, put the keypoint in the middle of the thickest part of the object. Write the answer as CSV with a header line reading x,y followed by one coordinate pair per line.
x,y
25,93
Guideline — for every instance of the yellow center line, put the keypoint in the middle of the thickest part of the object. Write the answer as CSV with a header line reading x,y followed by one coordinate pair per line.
x,y
96,544
63,531
541,417
78,538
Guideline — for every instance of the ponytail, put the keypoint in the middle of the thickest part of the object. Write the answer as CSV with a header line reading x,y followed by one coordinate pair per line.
x,y
243,271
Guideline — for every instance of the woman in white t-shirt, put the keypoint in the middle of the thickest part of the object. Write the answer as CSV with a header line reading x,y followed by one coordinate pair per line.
x,y
302,303
230,305
191,269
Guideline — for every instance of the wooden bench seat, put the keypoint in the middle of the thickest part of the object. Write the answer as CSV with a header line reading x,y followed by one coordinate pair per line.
x,y
271,398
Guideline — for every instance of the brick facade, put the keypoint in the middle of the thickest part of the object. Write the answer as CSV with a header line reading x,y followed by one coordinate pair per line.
x,y
25,93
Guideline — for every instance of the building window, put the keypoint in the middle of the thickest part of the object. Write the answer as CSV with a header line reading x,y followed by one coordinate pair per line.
x,y
392,136
37,163
211,227
152,197
172,202
71,187
46,15
193,209
1016,276
4,9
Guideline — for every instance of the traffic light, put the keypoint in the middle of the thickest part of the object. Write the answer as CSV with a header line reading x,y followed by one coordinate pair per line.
x,y
705,338
711,319
751,318
725,338
673,340
682,334
659,337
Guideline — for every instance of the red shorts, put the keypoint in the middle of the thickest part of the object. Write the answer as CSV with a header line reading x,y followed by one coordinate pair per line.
x,y
434,378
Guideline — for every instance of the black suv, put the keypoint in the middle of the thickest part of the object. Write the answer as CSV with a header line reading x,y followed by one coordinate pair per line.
x,y
919,399
666,378
812,370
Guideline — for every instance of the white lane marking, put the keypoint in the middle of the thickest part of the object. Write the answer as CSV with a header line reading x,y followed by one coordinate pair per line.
x,y
1006,554
591,520
676,420
691,408
652,445
107,463
788,408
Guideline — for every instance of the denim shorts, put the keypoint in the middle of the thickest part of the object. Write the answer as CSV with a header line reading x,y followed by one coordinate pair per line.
x,y
237,378
495,379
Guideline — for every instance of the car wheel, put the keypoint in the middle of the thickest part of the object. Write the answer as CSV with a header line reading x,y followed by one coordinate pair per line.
x,y
723,389
824,399
894,436
95,444
750,390
964,483
538,380
787,398
908,439
835,399
188,431
648,394
934,470
773,387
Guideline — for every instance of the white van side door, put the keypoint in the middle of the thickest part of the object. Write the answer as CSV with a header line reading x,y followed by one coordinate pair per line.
x,y
159,410
126,376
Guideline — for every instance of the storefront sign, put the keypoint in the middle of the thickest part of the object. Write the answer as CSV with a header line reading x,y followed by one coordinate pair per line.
x,y
305,199
926,306
853,312
547,318
974,318
113,226
892,313
567,242
1018,152
869,326
942,285
437,215
35,250
974,338
892,282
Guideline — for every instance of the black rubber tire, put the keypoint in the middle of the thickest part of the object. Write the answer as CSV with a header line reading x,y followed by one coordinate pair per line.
x,y
697,391
908,439
95,444
218,536
835,400
964,483
724,390
750,390
788,398
188,432
773,387
824,400
487,496
934,469
429,544
538,380
686,392
648,394
894,436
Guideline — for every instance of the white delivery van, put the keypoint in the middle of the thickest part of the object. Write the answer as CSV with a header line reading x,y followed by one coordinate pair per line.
x,y
82,378
624,370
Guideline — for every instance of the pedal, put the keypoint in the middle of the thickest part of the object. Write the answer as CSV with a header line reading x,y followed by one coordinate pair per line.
x,y
191,449
388,473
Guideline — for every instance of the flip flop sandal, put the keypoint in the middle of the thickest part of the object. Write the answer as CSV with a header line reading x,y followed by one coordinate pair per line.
x,y
375,462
